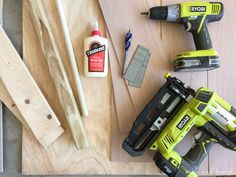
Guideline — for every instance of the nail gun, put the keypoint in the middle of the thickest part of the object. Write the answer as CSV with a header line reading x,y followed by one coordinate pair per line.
x,y
170,115
194,16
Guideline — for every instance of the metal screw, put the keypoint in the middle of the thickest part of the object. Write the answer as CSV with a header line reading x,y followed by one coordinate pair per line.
x,y
27,101
49,116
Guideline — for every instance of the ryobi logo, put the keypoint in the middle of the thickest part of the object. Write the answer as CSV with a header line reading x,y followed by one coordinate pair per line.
x,y
197,8
183,122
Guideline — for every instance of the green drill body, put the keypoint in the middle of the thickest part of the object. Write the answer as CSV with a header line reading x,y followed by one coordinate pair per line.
x,y
194,16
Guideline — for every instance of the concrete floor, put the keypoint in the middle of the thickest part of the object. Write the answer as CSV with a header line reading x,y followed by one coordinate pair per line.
x,y
12,19
12,23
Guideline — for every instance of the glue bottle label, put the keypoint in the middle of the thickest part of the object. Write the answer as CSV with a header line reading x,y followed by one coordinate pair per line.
x,y
96,56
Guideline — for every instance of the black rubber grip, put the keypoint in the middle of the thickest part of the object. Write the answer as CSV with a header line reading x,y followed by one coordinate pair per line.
x,y
158,13
233,111
218,17
198,152
202,38
168,168
190,162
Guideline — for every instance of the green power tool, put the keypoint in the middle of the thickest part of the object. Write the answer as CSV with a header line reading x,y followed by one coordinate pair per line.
x,y
170,115
194,16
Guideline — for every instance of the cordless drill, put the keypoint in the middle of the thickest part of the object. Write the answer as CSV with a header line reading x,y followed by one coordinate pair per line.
x,y
170,115
194,16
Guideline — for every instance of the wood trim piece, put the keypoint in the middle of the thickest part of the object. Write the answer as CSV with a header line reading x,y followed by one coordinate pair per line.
x,y
26,94
72,59
58,73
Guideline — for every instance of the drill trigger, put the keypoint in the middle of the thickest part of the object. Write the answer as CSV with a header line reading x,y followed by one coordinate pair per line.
x,y
188,26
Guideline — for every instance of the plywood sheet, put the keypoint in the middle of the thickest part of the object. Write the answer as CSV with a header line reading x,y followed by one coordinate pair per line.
x,y
104,132
175,40
123,101
62,156
119,155
120,18
159,37
223,81
63,152
158,42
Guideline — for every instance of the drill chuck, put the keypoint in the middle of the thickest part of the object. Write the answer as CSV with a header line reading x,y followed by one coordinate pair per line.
x,y
157,13
168,13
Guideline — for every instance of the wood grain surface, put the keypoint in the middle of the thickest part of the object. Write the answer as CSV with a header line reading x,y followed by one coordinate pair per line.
x,y
74,68
6,98
28,97
62,157
58,73
223,81
175,40
120,18
107,125
116,26
124,105
119,155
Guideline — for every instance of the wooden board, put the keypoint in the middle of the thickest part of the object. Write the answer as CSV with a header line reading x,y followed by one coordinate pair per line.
x,y
62,157
28,97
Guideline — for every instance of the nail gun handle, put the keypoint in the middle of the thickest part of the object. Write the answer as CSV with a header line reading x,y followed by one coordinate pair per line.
x,y
199,151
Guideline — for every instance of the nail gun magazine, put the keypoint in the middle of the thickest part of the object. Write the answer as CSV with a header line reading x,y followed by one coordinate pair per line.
x,y
170,115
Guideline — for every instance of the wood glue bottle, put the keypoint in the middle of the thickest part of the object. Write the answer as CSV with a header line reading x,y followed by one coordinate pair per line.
x,y
95,54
